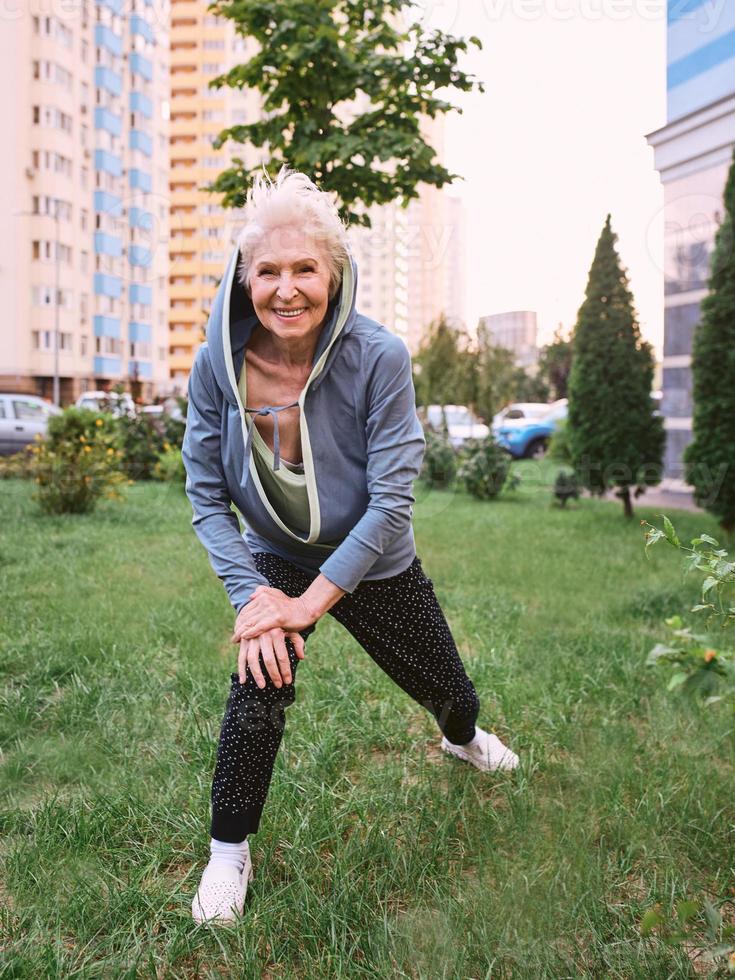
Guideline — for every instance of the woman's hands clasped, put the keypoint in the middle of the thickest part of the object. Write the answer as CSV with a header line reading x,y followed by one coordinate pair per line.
x,y
269,608
262,627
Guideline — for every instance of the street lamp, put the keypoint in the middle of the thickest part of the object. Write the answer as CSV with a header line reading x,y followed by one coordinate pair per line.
x,y
56,397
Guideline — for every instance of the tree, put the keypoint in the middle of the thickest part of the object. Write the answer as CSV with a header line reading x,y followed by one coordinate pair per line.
x,y
441,366
494,375
710,458
615,438
555,363
344,90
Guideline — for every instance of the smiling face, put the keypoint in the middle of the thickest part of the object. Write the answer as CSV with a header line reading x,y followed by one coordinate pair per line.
x,y
289,284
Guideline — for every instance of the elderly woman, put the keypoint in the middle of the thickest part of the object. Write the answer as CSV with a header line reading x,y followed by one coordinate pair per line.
x,y
302,414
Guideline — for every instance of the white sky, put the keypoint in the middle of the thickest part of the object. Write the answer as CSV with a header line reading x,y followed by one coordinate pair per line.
x,y
556,141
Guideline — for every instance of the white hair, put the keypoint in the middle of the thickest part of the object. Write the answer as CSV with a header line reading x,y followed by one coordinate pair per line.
x,y
294,207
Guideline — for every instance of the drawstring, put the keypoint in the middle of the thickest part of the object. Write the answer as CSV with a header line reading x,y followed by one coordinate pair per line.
x,y
268,410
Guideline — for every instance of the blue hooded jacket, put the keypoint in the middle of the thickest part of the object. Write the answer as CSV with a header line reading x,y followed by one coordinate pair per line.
x,y
361,440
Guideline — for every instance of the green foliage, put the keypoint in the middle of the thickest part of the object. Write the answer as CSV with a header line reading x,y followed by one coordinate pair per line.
x,y
702,926
710,457
18,466
77,463
484,468
440,462
555,364
558,449
702,665
142,443
344,87
614,436
566,487
442,368
170,466
450,368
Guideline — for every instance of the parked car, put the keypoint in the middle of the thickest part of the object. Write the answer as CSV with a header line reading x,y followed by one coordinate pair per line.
x,y
520,410
22,417
169,407
528,437
461,423
107,401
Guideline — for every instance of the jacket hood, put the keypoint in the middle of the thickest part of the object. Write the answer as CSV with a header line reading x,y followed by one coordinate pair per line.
x,y
232,320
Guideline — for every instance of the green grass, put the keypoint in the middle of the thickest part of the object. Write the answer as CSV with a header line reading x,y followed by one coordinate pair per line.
x,y
377,855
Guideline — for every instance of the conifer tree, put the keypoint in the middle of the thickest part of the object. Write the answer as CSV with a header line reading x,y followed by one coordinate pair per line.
x,y
710,458
615,439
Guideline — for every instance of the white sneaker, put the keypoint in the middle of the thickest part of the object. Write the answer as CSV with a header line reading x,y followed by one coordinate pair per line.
x,y
485,752
220,898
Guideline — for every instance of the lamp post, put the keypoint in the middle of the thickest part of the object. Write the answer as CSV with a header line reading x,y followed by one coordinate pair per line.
x,y
57,394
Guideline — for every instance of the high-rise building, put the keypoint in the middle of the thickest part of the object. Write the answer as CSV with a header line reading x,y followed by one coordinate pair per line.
x,y
411,261
202,47
84,192
517,332
692,153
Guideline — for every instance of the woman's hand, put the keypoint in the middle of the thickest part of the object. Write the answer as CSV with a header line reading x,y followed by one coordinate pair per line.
x,y
269,609
271,647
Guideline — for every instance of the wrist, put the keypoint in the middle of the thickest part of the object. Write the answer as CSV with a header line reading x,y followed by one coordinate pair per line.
x,y
311,608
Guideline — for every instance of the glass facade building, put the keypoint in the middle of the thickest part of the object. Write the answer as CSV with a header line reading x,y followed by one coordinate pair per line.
x,y
692,152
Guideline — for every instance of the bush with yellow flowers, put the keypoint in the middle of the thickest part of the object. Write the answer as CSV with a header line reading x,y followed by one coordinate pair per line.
x,y
78,462
170,466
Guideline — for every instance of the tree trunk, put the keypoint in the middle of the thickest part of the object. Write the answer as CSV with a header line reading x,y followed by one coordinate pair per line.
x,y
624,494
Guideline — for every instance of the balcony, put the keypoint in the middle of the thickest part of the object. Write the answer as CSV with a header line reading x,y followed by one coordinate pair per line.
x,y
107,326
141,141
140,180
144,369
104,119
138,102
105,244
116,6
111,164
139,218
107,285
106,203
107,365
140,294
105,38
141,66
107,79
140,332
138,255
142,27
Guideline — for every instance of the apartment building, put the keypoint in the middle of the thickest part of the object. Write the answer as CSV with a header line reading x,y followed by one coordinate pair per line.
x,y
517,331
202,232
692,153
84,196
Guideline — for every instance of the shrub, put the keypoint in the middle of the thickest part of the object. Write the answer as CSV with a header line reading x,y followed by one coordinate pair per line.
x,y
484,468
440,462
170,466
141,443
558,449
702,665
566,487
18,466
78,462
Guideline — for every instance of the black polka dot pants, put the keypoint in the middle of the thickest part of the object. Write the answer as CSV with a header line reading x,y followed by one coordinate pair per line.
x,y
399,623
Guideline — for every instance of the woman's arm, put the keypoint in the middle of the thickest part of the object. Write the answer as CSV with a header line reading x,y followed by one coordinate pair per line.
x,y
395,450
215,524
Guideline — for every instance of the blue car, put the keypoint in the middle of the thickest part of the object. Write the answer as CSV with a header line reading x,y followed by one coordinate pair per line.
x,y
528,438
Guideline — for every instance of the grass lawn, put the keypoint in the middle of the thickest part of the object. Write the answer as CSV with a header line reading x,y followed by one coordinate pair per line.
x,y
378,856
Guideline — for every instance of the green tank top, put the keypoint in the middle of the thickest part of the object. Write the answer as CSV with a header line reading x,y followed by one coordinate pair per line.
x,y
284,487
